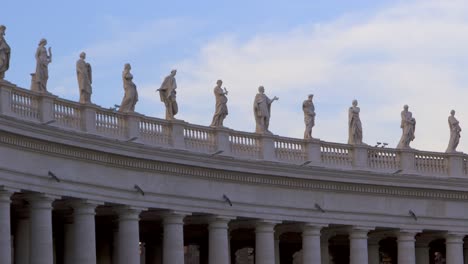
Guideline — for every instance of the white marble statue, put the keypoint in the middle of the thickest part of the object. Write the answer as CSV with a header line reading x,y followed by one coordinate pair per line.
x,y
354,124
297,257
167,93
4,53
408,125
131,95
85,78
40,77
309,116
262,111
221,110
455,130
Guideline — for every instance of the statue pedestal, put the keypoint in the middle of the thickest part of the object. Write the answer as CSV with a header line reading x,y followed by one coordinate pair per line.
x,y
177,133
456,165
314,154
267,143
360,155
222,140
407,161
5,97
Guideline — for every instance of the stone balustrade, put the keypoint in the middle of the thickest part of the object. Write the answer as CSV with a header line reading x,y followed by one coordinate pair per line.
x,y
51,110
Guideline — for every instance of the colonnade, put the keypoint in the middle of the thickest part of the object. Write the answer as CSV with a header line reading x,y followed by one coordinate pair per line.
x,y
33,237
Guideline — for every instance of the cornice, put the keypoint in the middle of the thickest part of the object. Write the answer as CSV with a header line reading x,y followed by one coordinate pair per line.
x,y
133,156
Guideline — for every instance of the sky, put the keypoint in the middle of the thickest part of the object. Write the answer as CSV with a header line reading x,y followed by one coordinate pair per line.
x,y
383,53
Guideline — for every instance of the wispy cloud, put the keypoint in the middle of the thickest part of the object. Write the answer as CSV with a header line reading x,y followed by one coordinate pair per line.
x,y
411,53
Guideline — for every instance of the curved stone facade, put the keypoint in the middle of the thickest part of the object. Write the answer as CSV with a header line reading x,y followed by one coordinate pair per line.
x,y
90,185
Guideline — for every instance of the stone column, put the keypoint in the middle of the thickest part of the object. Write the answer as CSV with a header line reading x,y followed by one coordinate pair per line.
x,y
69,248
465,252
265,242
173,240
5,226
128,245
454,248
422,252
406,247
277,248
41,243
84,232
374,247
358,246
324,252
218,241
311,244
22,237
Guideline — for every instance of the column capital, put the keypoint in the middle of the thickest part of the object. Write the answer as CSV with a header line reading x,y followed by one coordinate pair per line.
x,y
310,229
219,222
407,235
83,207
40,200
5,195
174,217
359,232
128,212
265,226
454,238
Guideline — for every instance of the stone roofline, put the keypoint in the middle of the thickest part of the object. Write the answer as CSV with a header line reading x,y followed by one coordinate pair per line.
x,y
48,109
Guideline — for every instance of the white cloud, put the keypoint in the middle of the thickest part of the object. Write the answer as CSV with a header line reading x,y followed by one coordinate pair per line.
x,y
411,53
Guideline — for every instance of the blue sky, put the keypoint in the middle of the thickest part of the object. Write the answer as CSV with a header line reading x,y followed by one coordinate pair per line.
x,y
383,53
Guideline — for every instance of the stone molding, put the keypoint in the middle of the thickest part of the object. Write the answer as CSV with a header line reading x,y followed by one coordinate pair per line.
x,y
116,160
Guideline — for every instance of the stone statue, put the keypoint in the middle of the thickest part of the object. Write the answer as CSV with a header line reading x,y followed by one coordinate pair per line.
x,y
167,93
131,96
455,130
221,110
408,125
85,78
309,116
4,53
262,111
354,123
39,79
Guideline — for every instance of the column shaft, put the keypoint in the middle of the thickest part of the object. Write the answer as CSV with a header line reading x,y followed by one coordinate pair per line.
x,y
22,241
5,226
41,243
218,241
406,248
69,248
84,232
374,257
173,240
128,236
324,252
277,249
311,244
264,243
454,248
358,246
422,254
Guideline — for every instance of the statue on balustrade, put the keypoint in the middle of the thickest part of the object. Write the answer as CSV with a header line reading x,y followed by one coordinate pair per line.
x,y
221,110
131,96
309,116
85,78
408,125
262,111
167,93
40,77
4,53
354,123
455,130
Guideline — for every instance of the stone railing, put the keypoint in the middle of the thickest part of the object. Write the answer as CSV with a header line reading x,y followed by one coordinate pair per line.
x,y
92,119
